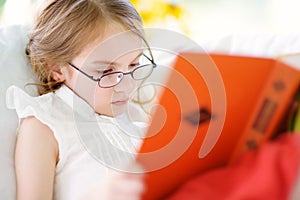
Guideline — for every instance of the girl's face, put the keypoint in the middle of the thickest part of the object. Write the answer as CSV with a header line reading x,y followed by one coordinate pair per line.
x,y
114,51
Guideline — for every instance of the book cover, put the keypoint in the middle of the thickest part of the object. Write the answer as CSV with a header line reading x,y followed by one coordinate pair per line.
x,y
207,102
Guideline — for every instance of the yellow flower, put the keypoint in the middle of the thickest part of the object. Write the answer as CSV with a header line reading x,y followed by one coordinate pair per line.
x,y
156,12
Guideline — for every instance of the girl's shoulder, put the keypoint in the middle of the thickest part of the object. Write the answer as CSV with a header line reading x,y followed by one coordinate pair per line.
x,y
44,120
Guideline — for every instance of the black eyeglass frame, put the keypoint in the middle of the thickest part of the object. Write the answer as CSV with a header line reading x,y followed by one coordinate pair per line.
x,y
154,65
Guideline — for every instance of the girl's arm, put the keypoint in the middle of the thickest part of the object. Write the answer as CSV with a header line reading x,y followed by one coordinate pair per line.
x,y
36,156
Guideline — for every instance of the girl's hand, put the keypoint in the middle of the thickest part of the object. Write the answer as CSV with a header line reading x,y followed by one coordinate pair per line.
x,y
120,186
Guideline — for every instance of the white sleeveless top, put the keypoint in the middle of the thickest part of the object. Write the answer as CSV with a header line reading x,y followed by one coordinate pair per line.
x,y
89,144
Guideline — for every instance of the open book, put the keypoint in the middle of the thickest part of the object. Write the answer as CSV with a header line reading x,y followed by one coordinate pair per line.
x,y
213,108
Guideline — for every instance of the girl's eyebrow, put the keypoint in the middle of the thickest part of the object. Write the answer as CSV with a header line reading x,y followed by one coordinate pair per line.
x,y
101,65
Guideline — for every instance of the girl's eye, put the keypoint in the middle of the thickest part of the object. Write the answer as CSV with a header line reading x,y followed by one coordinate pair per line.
x,y
104,71
107,71
134,65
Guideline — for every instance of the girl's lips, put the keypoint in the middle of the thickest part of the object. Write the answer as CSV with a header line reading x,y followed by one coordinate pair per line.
x,y
120,102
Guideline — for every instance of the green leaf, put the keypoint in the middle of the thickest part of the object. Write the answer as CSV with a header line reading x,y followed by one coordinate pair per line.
x,y
297,121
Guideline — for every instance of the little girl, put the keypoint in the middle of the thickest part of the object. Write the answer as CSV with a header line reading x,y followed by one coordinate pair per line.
x,y
86,55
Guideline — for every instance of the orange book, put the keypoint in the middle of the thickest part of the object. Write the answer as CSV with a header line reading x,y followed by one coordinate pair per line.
x,y
207,112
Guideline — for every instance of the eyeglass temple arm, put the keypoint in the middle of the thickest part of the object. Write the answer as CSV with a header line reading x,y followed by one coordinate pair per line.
x,y
151,60
89,76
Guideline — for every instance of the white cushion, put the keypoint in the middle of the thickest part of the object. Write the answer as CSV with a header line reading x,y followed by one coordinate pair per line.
x,y
14,71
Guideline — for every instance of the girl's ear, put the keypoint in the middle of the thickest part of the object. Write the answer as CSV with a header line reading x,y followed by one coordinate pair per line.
x,y
57,74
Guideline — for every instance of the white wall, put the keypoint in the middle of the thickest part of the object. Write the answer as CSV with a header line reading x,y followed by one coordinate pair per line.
x,y
209,19
206,19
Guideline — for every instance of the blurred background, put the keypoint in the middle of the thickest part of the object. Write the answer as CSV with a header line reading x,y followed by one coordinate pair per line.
x,y
201,20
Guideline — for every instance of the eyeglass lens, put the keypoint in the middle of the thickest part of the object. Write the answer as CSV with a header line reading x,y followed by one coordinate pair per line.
x,y
138,73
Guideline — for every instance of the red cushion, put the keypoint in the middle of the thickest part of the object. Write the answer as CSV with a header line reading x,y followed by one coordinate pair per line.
x,y
268,173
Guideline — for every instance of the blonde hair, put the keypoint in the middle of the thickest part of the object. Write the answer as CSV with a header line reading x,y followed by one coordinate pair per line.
x,y
64,27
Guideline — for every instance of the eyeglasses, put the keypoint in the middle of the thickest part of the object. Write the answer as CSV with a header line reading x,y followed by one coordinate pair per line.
x,y
114,78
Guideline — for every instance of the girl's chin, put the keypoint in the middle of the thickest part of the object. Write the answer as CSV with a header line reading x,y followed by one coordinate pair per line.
x,y
118,110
